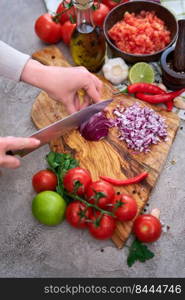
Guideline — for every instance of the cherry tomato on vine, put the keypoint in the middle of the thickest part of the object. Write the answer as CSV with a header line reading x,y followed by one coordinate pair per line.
x,y
102,226
65,16
66,31
77,176
99,14
100,193
44,180
47,29
77,214
124,207
147,228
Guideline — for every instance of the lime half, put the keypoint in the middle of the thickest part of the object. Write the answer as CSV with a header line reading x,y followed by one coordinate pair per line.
x,y
141,72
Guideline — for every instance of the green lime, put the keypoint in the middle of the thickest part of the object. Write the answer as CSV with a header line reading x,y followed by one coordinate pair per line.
x,y
141,72
48,208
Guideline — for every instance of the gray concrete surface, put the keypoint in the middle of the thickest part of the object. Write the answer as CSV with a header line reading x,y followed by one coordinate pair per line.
x,y
28,249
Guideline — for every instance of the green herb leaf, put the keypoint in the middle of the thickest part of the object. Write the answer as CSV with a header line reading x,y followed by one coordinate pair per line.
x,y
60,163
138,252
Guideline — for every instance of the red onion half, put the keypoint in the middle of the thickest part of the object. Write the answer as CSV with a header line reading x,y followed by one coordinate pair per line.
x,y
96,128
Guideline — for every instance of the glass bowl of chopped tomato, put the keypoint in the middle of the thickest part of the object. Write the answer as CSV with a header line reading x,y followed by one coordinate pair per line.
x,y
140,30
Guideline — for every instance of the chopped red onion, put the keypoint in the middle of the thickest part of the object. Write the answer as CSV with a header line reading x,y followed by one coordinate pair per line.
x,y
140,127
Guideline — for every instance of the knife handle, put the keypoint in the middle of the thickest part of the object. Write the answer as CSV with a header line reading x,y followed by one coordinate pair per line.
x,y
16,152
9,152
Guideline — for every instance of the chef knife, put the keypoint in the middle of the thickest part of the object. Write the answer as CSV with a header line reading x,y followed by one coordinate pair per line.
x,y
63,126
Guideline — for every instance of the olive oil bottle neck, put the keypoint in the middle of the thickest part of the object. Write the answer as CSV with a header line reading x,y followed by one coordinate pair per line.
x,y
84,18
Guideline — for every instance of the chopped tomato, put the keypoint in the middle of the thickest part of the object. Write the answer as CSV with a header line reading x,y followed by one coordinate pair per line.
x,y
143,33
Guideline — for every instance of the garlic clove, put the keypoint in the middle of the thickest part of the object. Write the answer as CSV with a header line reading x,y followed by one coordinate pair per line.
x,y
155,212
115,70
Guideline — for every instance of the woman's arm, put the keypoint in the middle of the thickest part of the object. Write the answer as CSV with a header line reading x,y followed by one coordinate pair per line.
x,y
12,62
60,83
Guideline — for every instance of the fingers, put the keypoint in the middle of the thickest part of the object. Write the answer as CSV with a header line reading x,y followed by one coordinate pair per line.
x,y
77,102
70,105
18,143
93,88
93,93
98,83
87,101
14,143
7,161
78,105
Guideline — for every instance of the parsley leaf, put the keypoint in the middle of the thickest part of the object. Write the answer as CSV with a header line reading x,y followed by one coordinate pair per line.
x,y
60,163
139,252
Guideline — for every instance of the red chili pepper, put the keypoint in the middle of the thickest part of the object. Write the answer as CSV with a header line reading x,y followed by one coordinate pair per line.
x,y
145,88
169,105
119,182
159,98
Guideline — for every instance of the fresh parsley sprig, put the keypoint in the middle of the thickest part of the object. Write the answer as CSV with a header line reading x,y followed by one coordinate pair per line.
x,y
60,163
138,252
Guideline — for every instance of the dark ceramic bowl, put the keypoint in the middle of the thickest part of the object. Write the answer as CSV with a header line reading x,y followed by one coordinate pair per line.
x,y
116,14
172,79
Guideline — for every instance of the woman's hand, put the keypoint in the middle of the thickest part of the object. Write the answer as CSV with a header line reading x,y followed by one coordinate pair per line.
x,y
14,143
62,83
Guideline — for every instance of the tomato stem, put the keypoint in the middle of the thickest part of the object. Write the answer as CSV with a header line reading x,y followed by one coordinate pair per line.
x,y
90,204
56,17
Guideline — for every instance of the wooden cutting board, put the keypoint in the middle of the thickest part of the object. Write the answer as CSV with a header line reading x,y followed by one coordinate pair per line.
x,y
109,156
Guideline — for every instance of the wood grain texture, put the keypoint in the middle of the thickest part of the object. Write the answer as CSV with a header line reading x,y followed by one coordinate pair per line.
x,y
109,156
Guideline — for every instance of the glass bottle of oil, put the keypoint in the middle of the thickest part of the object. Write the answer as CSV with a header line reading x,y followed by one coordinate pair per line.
x,y
87,43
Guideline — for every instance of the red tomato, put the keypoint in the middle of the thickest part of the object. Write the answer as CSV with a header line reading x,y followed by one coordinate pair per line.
x,y
147,228
77,214
100,14
100,193
47,29
102,226
66,31
44,180
75,176
124,207
111,3
65,16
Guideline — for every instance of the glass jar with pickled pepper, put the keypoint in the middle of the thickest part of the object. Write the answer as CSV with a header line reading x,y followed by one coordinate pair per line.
x,y
87,44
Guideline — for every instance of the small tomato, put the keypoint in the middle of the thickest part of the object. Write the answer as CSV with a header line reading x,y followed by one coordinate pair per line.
x,y
147,228
66,31
47,29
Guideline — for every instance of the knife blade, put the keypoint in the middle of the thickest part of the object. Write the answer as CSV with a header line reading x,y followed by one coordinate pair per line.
x,y
63,126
